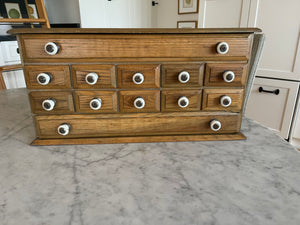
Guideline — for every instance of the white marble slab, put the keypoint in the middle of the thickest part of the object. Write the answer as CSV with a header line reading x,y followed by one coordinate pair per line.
x,y
250,182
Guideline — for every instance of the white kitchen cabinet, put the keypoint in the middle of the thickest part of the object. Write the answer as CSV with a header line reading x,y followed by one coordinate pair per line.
x,y
271,110
14,79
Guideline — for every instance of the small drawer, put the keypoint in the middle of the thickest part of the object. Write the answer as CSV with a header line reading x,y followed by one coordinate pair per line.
x,y
223,99
138,76
180,100
140,101
47,77
225,74
51,102
182,75
96,101
94,76
71,126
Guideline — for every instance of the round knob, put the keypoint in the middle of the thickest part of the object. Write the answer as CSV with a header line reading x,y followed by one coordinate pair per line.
x,y
215,125
183,102
49,104
183,77
91,78
225,101
51,48
139,103
228,76
222,48
138,78
95,103
63,129
44,78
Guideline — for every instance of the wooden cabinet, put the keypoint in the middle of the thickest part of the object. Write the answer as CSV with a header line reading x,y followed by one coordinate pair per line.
x,y
117,85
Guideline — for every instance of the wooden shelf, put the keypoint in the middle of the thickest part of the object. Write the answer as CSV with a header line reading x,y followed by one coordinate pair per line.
x,y
23,20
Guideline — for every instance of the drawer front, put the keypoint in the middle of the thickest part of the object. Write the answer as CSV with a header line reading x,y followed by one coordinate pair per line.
x,y
151,101
173,75
212,99
161,124
170,100
108,101
105,76
63,101
214,74
60,77
91,47
138,76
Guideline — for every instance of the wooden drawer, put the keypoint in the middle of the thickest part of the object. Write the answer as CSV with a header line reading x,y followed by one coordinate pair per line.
x,y
138,76
172,75
136,125
212,99
109,102
170,100
106,77
60,77
151,99
88,47
214,74
63,101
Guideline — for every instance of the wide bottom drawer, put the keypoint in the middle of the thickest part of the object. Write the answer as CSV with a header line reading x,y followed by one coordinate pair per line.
x,y
75,126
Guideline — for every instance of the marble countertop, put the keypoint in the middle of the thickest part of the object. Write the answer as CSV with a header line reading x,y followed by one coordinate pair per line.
x,y
249,182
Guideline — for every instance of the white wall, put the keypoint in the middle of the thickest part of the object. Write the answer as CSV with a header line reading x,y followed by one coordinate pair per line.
x,y
167,14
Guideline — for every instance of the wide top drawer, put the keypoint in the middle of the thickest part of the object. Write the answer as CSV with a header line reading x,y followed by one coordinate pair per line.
x,y
146,47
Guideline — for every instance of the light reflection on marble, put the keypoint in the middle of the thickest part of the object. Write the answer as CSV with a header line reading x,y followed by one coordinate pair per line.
x,y
210,183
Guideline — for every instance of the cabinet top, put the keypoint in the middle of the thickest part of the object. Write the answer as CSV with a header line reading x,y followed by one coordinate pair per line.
x,y
131,31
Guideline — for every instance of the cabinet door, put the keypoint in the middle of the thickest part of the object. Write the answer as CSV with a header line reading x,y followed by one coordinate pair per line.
x,y
14,79
271,110
10,52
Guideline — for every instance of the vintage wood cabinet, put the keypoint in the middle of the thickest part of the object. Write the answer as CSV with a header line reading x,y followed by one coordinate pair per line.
x,y
89,86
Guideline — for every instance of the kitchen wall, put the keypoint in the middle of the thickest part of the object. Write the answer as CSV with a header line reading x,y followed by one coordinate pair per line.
x,y
167,14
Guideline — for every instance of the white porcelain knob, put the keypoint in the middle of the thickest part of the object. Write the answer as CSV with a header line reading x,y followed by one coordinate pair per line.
x,y
225,101
49,104
139,103
183,102
222,48
138,78
95,103
183,77
51,48
64,129
91,78
44,78
215,125
228,76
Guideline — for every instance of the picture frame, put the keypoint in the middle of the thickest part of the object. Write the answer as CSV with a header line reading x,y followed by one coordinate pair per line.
x,y
188,6
13,10
187,24
32,11
18,7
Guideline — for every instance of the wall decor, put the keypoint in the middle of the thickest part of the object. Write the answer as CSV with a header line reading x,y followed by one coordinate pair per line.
x,y
13,10
187,24
32,11
188,6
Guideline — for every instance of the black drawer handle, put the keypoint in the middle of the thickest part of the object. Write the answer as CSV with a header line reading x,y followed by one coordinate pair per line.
x,y
276,92
18,51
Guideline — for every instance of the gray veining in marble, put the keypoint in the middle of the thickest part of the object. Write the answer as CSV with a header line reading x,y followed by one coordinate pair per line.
x,y
251,182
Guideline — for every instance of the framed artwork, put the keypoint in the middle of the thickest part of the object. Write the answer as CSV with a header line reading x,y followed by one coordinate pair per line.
x,y
13,10
188,6
32,11
187,24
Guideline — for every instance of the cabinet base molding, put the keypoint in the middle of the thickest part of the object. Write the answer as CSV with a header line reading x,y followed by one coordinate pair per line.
x,y
138,139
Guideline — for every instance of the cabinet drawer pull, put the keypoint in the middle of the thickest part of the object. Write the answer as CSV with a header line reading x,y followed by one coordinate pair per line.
x,y
183,77
138,78
276,91
64,129
222,48
51,48
215,125
49,104
225,101
91,78
44,78
228,76
139,103
183,102
96,103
